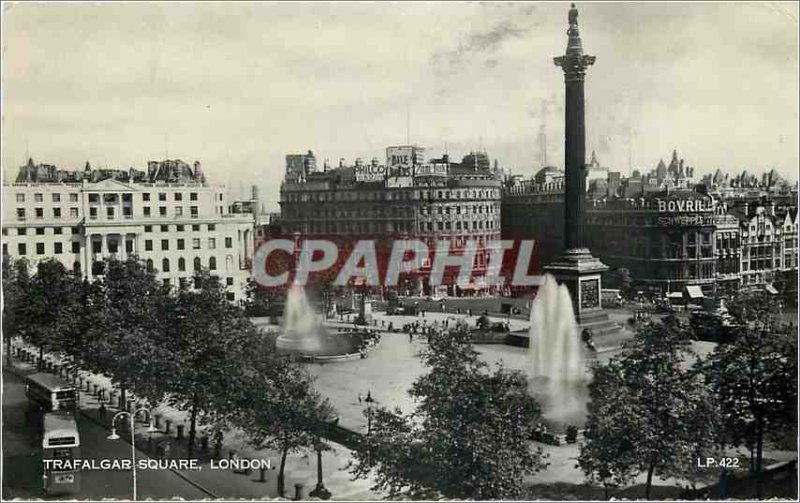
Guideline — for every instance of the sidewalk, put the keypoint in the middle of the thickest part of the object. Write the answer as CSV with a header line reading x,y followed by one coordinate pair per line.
x,y
300,468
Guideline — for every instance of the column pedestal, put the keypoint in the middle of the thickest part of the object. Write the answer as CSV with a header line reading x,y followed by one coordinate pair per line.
x,y
581,272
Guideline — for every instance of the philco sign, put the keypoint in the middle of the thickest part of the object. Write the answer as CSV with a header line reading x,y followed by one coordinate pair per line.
x,y
685,205
370,173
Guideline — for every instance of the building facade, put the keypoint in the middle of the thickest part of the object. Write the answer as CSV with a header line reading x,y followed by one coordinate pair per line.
x,y
407,197
169,217
669,239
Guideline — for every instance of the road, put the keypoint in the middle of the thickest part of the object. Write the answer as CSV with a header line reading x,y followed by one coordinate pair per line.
x,y
22,459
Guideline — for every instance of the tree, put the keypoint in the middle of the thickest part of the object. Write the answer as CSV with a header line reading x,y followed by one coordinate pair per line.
x,y
755,376
647,410
621,278
45,304
16,283
281,409
468,437
206,339
124,343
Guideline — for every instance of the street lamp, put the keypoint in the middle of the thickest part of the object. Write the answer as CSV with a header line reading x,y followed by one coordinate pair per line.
x,y
115,436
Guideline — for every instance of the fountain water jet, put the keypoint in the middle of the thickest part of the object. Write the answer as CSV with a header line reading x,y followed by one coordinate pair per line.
x,y
305,335
559,374
301,325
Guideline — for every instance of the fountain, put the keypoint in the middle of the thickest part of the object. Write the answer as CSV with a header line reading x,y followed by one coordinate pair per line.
x,y
305,335
559,374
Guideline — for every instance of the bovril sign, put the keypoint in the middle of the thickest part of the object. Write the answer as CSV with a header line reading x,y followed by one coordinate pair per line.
x,y
685,205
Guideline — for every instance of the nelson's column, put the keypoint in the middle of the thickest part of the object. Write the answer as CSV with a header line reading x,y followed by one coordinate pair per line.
x,y
576,267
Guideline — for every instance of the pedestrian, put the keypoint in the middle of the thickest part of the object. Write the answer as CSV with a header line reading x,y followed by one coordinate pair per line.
x,y
410,337
369,397
359,398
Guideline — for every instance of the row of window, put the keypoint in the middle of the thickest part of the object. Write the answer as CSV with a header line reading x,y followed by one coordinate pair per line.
x,y
180,244
39,231
180,228
39,197
39,213
391,195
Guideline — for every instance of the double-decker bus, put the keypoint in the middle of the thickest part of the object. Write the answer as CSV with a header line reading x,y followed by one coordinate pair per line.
x,y
60,446
49,393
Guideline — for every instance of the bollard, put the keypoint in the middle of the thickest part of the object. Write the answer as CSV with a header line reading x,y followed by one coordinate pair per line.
x,y
150,443
262,475
157,422
95,387
180,429
88,385
169,425
299,491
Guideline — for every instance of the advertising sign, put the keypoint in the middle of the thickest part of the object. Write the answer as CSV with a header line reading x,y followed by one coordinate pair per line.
x,y
369,173
405,155
435,169
399,181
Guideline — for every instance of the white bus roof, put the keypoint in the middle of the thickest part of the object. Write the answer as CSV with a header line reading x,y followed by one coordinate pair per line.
x,y
49,381
58,426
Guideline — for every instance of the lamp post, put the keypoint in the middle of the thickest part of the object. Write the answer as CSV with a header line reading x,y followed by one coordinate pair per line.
x,y
114,436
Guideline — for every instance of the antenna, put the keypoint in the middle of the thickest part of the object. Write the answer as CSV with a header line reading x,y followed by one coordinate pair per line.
x,y
408,125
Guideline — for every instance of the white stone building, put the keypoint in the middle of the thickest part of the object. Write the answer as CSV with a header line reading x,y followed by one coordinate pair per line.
x,y
176,223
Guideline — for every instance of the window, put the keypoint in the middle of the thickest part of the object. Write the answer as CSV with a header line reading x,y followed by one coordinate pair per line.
x,y
165,265
228,242
197,264
181,264
229,281
147,211
58,230
40,231
230,296
179,228
56,198
179,196
73,198
149,264
165,244
212,227
73,212
93,213
110,212
195,243
76,247
212,263
165,228
20,198
148,245
193,211
162,196
96,246
39,248
193,196
76,230
162,211
178,211
58,248
195,228
21,249
20,213
212,243
39,212
94,198
148,228
38,197
180,244
145,197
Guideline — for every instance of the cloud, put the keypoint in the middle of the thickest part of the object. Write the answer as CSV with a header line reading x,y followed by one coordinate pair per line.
x,y
482,44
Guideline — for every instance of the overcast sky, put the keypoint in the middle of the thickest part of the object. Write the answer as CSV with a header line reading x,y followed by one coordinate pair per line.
x,y
239,85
